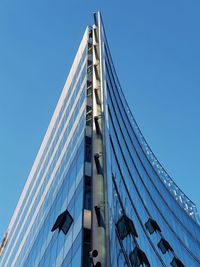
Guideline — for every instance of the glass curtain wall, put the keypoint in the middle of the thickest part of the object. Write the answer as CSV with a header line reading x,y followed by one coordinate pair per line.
x,y
55,184
161,229
148,220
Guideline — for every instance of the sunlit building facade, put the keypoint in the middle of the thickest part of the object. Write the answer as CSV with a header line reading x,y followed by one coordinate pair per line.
x,y
96,194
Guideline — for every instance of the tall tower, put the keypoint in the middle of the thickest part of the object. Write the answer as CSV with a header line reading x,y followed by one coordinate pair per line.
x,y
96,194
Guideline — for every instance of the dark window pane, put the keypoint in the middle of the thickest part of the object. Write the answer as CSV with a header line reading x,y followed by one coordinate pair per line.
x,y
152,226
138,258
88,149
164,246
125,226
177,263
63,222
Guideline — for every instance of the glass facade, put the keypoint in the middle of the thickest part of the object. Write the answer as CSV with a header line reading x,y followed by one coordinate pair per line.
x,y
55,183
96,194
139,188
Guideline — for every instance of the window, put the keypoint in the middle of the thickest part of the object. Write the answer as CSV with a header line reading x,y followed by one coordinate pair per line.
x,y
125,227
96,72
97,96
87,194
98,130
63,222
87,199
89,63
152,226
177,263
97,162
89,70
89,91
88,149
98,216
88,115
86,247
89,84
138,258
164,246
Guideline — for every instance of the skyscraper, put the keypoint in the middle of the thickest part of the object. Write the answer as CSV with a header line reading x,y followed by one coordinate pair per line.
x,y
96,194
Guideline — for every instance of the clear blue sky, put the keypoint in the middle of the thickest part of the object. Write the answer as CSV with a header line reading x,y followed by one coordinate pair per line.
x,y
156,51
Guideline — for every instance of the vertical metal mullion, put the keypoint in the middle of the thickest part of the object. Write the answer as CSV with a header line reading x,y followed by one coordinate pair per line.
x,y
98,188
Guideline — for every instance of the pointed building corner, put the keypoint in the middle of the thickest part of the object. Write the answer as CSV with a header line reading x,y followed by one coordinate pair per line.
x,y
96,194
